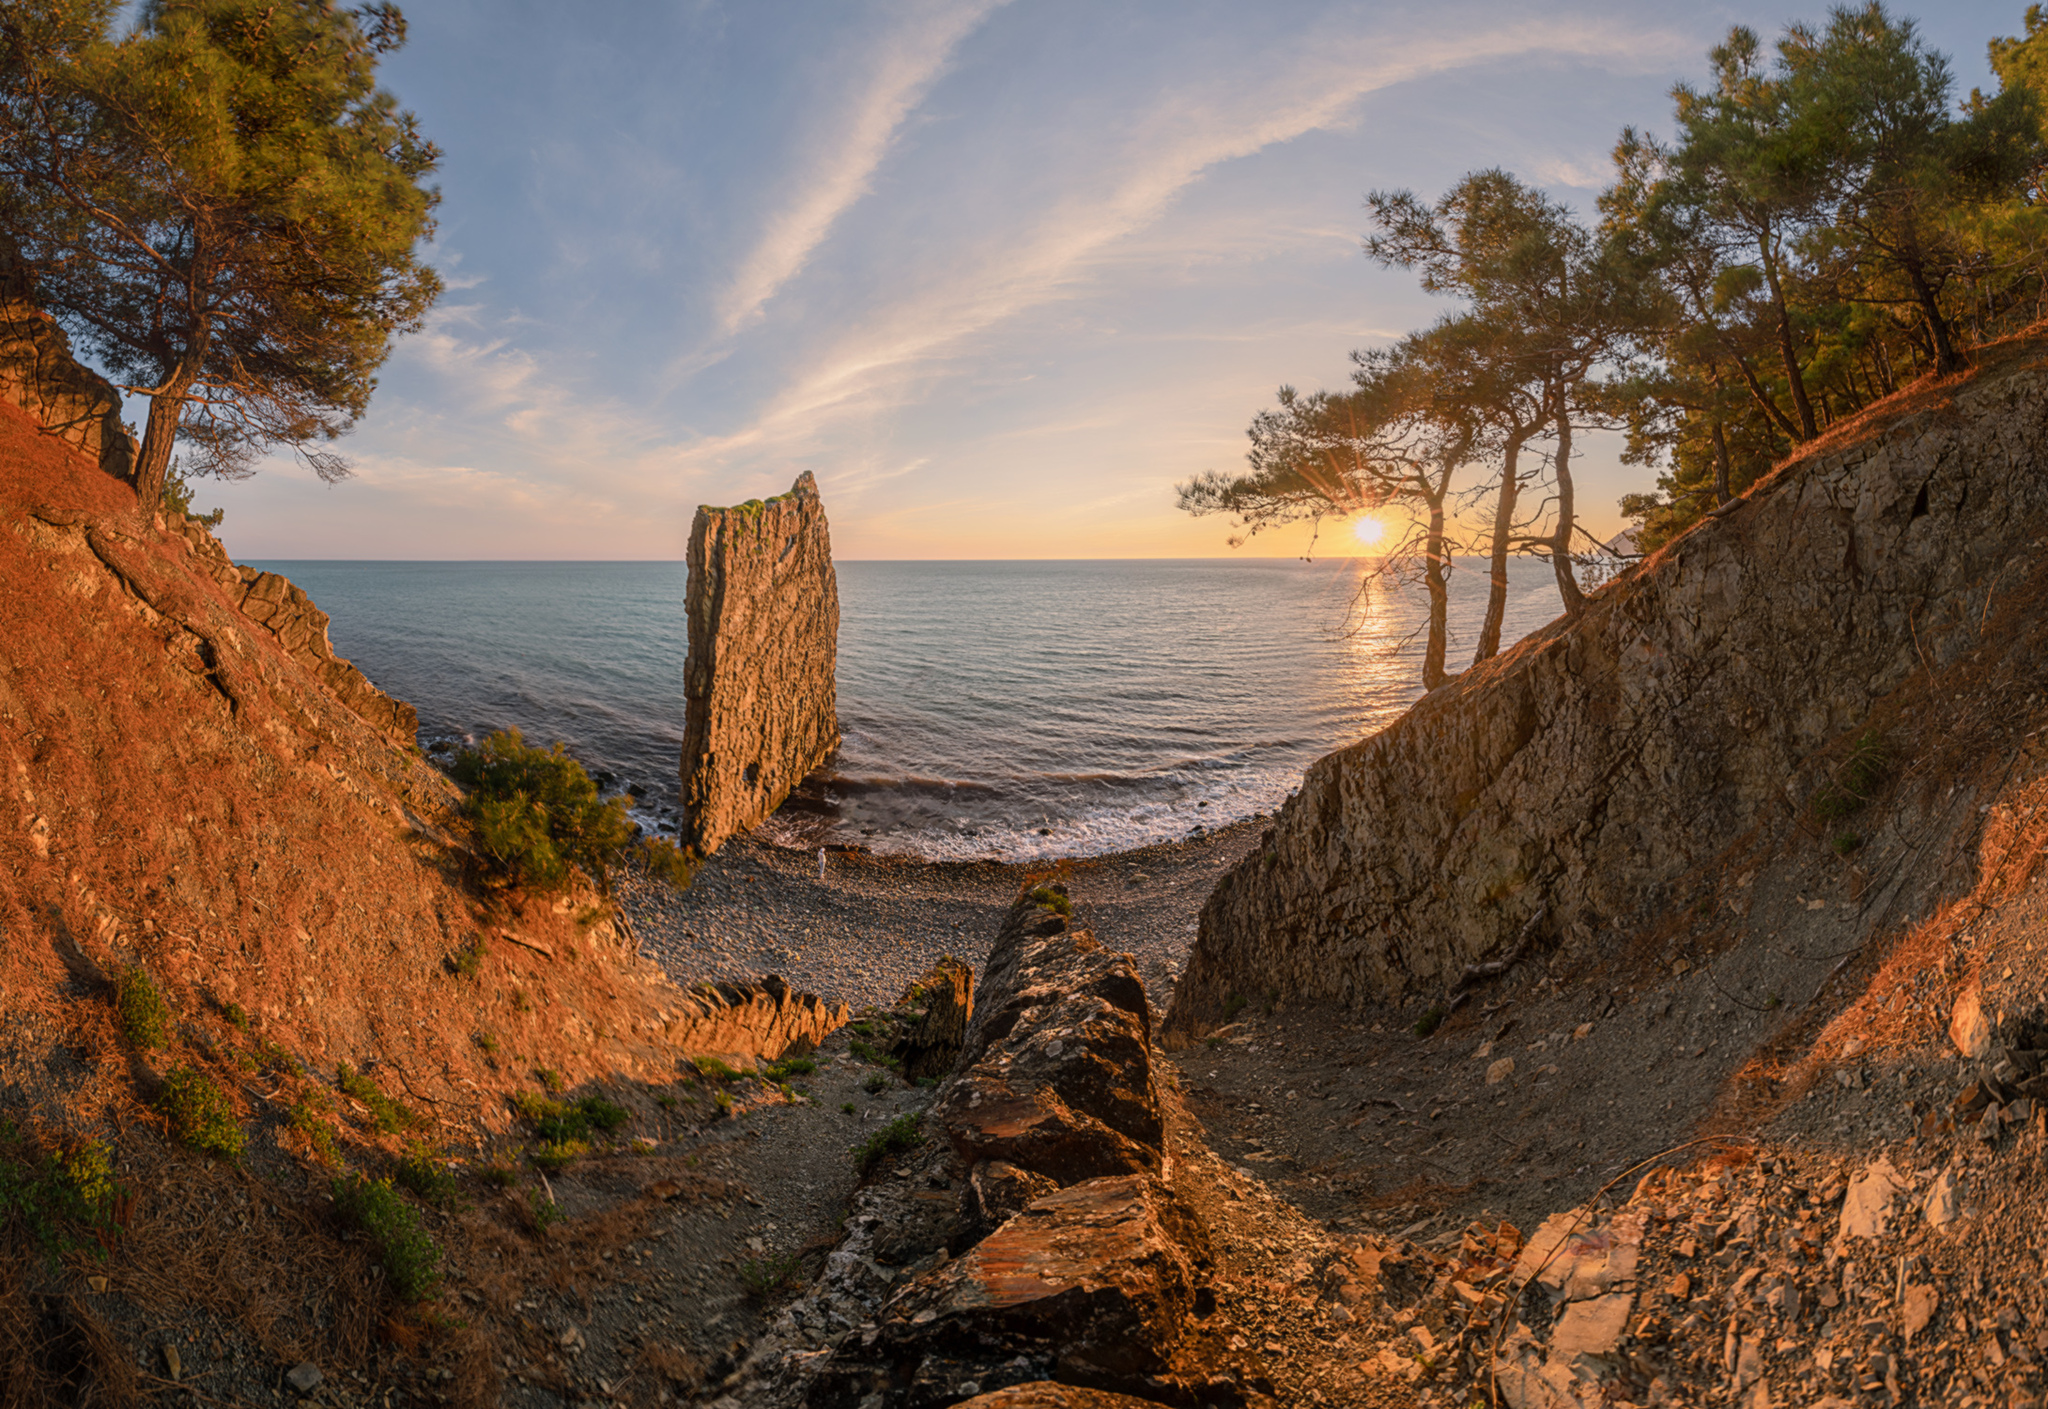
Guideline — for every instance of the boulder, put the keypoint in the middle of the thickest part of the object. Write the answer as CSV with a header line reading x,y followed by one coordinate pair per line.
x,y
73,403
932,1045
1056,1071
1094,1282
760,702
1046,1394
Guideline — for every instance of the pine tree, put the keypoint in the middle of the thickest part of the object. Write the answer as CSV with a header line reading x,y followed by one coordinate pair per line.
x,y
223,207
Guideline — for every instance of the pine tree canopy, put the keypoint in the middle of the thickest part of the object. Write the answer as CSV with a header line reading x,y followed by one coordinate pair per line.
x,y
223,207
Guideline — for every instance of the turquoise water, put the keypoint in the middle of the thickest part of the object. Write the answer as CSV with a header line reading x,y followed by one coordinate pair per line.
x,y
1015,709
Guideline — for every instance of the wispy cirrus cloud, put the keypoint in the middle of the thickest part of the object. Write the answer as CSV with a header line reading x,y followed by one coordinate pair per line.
x,y
842,167
1184,135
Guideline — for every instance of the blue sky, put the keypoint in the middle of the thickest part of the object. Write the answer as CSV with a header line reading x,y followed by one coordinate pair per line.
x,y
999,274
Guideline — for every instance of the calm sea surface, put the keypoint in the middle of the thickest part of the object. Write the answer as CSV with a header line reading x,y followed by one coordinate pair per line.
x,y
1016,709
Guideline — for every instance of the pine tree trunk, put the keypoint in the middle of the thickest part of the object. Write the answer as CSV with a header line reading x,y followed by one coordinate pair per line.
x,y
1503,529
1433,673
159,438
1722,494
1800,402
1561,542
1946,358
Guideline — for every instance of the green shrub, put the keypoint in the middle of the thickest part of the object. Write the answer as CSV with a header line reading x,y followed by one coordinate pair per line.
x,y
1234,1005
309,1119
876,1083
411,1258
763,1277
48,1195
551,1079
277,1059
717,1070
145,1017
870,1053
177,498
546,1212
1430,1021
668,862
500,1174
723,1103
1046,898
237,1017
567,1121
425,1174
390,1116
468,961
899,1135
200,1113
488,1042
848,1108
1846,843
559,1154
788,1067
1856,782
536,813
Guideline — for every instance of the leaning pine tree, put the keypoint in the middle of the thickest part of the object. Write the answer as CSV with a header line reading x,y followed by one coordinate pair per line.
x,y
223,207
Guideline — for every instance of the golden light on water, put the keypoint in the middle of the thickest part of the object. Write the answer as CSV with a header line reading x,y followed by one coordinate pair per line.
x,y
1368,531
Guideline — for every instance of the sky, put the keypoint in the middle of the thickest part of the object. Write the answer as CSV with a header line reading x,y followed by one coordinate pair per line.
x,y
999,274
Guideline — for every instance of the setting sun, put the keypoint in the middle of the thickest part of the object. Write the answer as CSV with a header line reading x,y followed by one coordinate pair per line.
x,y
1368,531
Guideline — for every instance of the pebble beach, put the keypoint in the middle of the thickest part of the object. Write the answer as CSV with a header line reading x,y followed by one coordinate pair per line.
x,y
866,929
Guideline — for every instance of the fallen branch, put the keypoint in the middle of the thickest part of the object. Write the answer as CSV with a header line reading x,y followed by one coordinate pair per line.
x,y
534,945
1496,967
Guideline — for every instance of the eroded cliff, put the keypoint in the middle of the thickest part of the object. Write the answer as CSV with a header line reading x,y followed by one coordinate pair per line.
x,y
205,807
1738,700
760,694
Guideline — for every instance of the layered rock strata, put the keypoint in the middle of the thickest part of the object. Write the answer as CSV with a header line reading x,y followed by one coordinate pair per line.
x,y
1705,708
1072,1258
760,698
932,1045
279,606
69,401
742,1024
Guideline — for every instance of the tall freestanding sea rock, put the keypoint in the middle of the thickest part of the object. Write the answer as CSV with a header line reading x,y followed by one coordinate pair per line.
x,y
761,708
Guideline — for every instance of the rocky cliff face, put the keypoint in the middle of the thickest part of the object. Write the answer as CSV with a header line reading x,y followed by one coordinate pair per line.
x,y
760,699
278,606
69,402
1741,693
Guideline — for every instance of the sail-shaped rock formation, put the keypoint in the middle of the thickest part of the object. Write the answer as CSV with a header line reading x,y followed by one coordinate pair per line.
x,y
761,707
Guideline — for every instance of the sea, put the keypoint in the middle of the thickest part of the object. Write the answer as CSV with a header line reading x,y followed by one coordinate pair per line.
x,y
1014,710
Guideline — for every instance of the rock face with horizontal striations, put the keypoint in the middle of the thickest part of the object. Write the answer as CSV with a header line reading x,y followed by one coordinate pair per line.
x,y
1606,773
282,608
761,705
72,403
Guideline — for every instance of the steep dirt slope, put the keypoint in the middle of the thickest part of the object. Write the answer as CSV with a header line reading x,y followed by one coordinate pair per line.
x,y
198,792
187,799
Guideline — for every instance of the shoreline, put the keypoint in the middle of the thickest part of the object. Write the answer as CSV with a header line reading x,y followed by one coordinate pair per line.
x,y
877,921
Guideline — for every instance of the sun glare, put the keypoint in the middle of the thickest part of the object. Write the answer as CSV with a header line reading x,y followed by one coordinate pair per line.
x,y
1368,531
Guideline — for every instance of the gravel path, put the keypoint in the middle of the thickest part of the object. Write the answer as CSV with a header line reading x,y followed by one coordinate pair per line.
x,y
873,924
